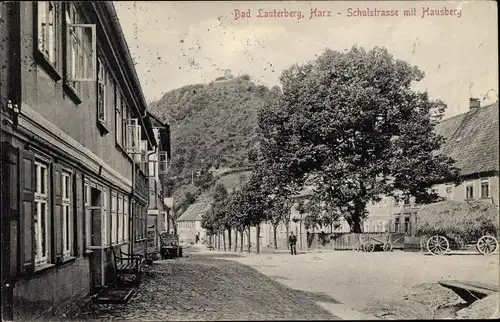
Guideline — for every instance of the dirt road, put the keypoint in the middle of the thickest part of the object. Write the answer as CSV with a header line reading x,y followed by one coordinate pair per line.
x,y
368,281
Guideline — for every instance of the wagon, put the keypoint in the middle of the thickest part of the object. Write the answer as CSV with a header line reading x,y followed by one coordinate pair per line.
x,y
369,243
458,225
440,245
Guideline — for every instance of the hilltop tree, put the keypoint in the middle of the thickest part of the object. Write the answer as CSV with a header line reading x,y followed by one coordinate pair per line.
x,y
353,121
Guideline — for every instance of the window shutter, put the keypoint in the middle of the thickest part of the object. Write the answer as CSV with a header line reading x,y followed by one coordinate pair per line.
x,y
9,206
165,140
58,223
78,218
27,225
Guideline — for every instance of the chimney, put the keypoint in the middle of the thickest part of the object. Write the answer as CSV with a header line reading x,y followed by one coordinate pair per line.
x,y
474,104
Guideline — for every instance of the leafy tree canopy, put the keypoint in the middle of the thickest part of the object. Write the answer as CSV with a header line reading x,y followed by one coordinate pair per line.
x,y
353,122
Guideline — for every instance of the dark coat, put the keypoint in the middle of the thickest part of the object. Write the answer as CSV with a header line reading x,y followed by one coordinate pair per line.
x,y
292,239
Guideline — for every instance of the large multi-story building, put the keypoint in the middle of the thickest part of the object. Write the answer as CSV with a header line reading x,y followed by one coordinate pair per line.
x,y
75,136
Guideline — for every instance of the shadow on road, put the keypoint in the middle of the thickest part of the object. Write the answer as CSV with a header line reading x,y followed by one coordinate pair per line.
x,y
207,287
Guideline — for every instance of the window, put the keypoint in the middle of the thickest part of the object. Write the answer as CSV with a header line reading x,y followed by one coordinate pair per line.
x,y
114,218
47,30
88,215
125,219
407,224
120,218
81,49
406,200
449,192
469,190
102,78
67,215
485,188
119,119
397,225
126,117
104,227
41,214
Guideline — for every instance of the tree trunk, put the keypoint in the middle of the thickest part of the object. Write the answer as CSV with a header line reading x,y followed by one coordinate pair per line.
x,y
241,241
236,240
224,239
249,246
275,227
229,239
257,242
356,223
300,231
287,229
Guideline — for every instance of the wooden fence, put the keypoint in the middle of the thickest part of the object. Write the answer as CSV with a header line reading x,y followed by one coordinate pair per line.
x,y
349,241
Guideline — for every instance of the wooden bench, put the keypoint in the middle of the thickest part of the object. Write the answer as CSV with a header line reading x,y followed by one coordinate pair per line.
x,y
128,264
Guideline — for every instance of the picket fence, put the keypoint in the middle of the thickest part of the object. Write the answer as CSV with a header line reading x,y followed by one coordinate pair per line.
x,y
349,241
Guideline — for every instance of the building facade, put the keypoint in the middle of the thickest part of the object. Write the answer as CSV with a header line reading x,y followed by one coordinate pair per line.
x,y
189,223
158,162
73,139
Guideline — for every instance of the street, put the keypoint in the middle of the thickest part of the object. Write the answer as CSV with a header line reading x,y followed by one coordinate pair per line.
x,y
210,287
402,284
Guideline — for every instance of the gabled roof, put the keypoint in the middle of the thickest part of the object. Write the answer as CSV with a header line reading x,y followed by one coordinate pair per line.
x,y
194,212
472,139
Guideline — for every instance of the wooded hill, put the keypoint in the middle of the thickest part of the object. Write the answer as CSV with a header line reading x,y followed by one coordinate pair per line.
x,y
212,129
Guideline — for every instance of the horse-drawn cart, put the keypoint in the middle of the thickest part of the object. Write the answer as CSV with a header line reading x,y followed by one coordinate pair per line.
x,y
452,225
368,243
169,245
440,245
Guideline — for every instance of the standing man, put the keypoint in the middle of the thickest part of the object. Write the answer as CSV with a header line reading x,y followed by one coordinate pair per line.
x,y
292,240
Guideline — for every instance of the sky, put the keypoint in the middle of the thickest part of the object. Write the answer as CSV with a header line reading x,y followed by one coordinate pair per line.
x,y
180,43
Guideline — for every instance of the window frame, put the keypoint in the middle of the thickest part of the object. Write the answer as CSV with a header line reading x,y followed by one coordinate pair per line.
x,y
102,82
88,213
104,217
119,210
67,213
468,185
42,199
118,117
114,217
487,182
126,218
48,59
76,53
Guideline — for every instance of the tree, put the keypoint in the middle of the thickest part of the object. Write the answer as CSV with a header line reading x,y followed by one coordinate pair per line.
x,y
352,121
255,198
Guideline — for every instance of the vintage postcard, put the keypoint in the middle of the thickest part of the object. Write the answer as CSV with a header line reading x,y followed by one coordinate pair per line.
x,y
249,160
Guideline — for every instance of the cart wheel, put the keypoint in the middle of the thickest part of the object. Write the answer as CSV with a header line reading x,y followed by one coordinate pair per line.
x,y
387,247
487,245
438,245
369,247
